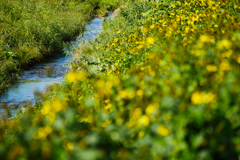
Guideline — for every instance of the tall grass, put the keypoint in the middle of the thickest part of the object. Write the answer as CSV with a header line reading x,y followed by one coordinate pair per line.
x,y
34,29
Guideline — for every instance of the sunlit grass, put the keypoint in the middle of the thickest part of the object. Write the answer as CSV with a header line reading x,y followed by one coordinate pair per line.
x,y
160,82
32,30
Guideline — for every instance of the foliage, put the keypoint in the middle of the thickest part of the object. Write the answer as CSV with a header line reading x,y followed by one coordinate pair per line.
x,y
160,84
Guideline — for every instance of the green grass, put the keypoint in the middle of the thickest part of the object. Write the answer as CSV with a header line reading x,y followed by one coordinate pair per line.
x,y
32,30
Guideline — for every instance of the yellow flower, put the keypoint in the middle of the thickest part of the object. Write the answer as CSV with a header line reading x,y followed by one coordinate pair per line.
x,y
151,108
179,3
51,117
139,92
127,94
57,105
42,132
71,77
108,106
75,76
224,66
209,97
46,108
136,113
152,26
196,98
204,38
144,30
238,59
214,16
199,52
211,68
143,120
227,54
224,43
151,40
163,130
70,146
201,97
173,6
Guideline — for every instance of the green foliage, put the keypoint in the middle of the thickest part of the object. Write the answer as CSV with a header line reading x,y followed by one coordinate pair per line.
x,y
161,85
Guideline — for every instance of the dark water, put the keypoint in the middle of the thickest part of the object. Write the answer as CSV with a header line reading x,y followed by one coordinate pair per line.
x,y
39,77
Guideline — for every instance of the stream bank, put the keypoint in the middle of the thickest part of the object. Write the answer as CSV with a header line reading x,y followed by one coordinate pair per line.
x,y
40,76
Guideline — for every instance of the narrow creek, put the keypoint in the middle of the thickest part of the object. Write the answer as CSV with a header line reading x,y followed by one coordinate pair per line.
x,y
40,76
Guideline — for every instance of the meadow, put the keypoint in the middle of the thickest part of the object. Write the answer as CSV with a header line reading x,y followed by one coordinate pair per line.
x,y
33,30
160,82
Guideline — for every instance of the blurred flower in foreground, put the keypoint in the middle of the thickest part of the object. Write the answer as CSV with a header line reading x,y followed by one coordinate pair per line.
x,y
75,76
201,97
143,120
151,40
163,130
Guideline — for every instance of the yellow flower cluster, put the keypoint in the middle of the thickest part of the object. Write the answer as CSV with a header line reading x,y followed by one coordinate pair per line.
x,y
51,108
75,76
42,132
198,98
163,130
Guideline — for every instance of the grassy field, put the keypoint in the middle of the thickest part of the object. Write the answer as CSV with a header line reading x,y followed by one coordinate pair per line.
x,y
160,82
33,30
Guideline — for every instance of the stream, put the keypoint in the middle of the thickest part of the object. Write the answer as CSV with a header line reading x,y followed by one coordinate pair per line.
x,y
40,76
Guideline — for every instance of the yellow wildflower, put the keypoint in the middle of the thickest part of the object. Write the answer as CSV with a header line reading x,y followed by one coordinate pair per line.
x,y
136,113
151,108
71,77
70,146
143,120
144,30
224,43
209,97
211,68
238,59
127,94
227,54
163,130
152,26
173,6
196,98
139,92
201,97
179,3
224,66
204,38
57,105
151,40
46,108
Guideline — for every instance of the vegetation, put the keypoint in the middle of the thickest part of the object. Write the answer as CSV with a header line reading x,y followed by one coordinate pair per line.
x,y
160,82
32,30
